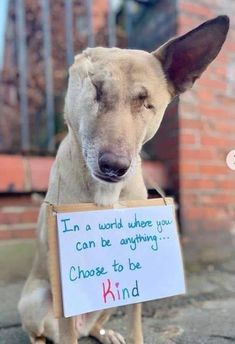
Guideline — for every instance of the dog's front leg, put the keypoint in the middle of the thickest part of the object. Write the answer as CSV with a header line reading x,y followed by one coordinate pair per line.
x,y
106,336
67,331
135,334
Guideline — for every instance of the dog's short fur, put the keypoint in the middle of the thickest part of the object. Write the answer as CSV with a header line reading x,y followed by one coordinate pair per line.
x,y
115,102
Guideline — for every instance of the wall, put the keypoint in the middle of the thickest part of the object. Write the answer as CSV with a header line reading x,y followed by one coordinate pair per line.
x,y
207,134
196,134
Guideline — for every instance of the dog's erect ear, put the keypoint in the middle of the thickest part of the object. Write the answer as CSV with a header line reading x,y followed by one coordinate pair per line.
x,y
185,58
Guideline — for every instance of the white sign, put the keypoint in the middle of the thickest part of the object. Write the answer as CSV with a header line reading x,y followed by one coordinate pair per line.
x,y
116,257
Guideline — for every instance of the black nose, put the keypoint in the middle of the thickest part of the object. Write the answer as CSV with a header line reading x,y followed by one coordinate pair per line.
x,y
113,165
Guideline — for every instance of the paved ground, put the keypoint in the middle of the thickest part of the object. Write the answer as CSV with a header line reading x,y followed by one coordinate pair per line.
x,y
206,315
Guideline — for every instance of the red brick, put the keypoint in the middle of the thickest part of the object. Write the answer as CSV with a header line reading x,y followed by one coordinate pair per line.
x,y
226,112
194,213
26,216
5,235
197,155
187,123
214,169
207,195
230,44
205,95
194,8
207,184
20,174
197,184
11,173
216,141
40,171
226,184
16,200
224,127
216,199
30,216
221,70
226,101
205,212
189,168
24,234
214,85
210,110
188,139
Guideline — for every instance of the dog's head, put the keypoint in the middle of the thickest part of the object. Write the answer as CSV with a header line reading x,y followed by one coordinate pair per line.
x,y
116,98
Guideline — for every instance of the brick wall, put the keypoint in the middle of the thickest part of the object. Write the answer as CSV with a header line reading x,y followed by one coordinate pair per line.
x,y
207,133
195,136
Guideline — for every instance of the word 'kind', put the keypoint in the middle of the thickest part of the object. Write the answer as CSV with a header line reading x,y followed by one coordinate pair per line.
x,y
112,291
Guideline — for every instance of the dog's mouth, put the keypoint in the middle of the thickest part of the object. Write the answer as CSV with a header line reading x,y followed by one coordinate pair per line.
x,y
107,179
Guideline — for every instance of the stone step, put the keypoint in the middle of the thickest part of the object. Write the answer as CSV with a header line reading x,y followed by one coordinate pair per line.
x,y
21,231
18,214
18,222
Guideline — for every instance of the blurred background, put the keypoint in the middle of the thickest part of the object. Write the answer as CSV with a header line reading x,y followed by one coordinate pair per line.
x,y
38,41
186,158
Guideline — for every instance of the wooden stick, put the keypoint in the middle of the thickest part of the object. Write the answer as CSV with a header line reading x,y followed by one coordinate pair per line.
x,y
54,266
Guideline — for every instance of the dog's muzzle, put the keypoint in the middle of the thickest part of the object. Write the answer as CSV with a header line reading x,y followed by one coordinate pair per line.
x,y
112,167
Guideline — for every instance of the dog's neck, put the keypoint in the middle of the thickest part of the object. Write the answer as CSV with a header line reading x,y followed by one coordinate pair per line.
x,y
71,180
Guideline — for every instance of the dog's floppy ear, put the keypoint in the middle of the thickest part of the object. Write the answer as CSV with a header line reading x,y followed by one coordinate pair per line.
x,y
185,58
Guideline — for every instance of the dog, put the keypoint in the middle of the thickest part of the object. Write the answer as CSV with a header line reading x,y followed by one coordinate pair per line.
x,y
115,102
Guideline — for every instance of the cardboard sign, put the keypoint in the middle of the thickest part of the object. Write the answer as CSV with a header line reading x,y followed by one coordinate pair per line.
x,y
113,257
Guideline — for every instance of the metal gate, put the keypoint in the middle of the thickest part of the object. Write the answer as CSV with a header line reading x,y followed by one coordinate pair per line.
x,y
19,8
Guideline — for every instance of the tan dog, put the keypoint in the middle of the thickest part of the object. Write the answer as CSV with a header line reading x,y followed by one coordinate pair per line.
x,y
115,103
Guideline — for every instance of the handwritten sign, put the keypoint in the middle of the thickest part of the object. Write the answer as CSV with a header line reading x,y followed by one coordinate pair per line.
x,y
115,257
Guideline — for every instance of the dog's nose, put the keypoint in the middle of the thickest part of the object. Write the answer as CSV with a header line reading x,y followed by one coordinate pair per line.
x,y
113,165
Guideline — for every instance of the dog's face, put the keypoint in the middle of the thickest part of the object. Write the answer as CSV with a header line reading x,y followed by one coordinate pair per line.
x,y
115,107
117,98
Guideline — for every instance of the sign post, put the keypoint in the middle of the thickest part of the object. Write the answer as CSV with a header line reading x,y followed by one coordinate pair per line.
x,y
106,257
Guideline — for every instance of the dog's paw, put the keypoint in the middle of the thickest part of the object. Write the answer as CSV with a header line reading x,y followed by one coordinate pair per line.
x,y
38,340
110,337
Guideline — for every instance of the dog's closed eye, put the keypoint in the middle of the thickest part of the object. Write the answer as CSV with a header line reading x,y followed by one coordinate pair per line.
x,y
98,89
142,99
149,106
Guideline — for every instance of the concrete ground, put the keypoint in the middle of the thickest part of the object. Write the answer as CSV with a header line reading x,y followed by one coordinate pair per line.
x,y
205,315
